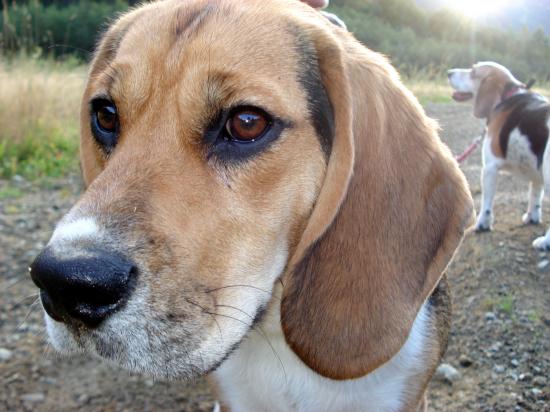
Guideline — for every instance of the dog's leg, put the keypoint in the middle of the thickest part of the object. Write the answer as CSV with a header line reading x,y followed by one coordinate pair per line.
x,y
534,212
488,189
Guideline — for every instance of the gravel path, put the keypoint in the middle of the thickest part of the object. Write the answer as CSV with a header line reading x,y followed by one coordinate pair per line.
x,y
501,326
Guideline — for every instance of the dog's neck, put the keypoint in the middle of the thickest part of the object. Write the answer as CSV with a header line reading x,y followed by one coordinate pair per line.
x,y
264,374
512,89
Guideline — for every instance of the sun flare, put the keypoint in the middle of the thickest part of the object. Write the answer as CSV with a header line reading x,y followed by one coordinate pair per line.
x,y
479,8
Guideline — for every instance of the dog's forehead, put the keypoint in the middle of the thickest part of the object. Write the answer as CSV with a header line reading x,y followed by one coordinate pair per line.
x,y
252,46
487,68
231,34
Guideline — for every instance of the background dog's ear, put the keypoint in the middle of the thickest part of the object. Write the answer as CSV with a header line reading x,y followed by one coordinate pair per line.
x,y
385,224
487,97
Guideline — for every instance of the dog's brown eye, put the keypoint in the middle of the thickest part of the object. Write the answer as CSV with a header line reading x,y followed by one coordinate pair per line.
x,y
107,117
104,123
247,125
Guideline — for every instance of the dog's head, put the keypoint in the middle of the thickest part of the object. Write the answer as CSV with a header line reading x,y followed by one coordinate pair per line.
x,y
227,146
487,82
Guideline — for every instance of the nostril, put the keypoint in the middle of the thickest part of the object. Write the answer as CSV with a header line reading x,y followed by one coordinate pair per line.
x,y
49,307
88,288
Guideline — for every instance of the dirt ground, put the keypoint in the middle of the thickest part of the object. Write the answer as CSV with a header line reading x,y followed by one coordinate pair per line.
x,y
501,325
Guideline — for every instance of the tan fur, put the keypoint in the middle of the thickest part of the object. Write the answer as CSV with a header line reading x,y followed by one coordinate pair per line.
x,y
493,82
488,95
350,303
494,127
161,168
368,234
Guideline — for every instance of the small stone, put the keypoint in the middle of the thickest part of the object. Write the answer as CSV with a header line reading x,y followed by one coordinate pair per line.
x,y
537,392
5,354
490,316
18,179
525,377
495,347
83,399
465,361
514,363
539,381
498,368
48,380
543,264
447,373
33,397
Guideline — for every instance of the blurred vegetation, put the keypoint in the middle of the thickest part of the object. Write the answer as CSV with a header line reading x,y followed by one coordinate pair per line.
x,y
56,28
415,40
39,116
420,41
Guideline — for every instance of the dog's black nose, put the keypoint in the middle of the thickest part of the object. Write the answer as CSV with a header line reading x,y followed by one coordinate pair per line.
x,y
449,73
87,288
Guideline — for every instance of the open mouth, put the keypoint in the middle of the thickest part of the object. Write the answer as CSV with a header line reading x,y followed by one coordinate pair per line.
x,y
462,96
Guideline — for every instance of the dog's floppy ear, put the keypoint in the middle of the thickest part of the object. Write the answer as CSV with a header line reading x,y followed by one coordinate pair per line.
x,y
487,96
391,212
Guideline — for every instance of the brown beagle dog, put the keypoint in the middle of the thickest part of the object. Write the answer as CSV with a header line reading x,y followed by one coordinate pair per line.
x,y
265,203
516,134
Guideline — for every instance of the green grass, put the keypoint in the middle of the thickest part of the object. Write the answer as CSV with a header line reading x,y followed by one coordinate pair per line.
x,y
503,304
10,193
39,116
39,112
43,153
534,316
506,304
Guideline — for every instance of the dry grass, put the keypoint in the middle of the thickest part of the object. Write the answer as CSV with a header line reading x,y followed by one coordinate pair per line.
x,y
39,112
429,91
38,93
439,91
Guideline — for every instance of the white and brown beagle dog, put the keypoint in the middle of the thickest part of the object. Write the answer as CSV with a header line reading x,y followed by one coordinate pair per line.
x,y
266,203
516,133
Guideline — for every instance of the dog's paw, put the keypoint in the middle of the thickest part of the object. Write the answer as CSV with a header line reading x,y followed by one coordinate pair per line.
x,y
484,222
542,243
482,227
531,219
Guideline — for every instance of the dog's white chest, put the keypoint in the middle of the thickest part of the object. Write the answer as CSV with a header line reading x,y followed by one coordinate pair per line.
x,y
264,374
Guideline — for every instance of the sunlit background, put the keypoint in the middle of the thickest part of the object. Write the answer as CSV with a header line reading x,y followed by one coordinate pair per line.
x,y
478,8
500,13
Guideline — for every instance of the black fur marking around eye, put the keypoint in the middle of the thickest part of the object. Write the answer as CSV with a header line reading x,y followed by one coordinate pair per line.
x,y
319,105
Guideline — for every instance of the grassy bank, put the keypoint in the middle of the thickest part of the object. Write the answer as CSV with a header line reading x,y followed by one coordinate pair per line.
x,y
39,111
39,114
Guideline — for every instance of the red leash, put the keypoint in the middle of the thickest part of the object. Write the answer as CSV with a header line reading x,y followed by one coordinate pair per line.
x,y
470,149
